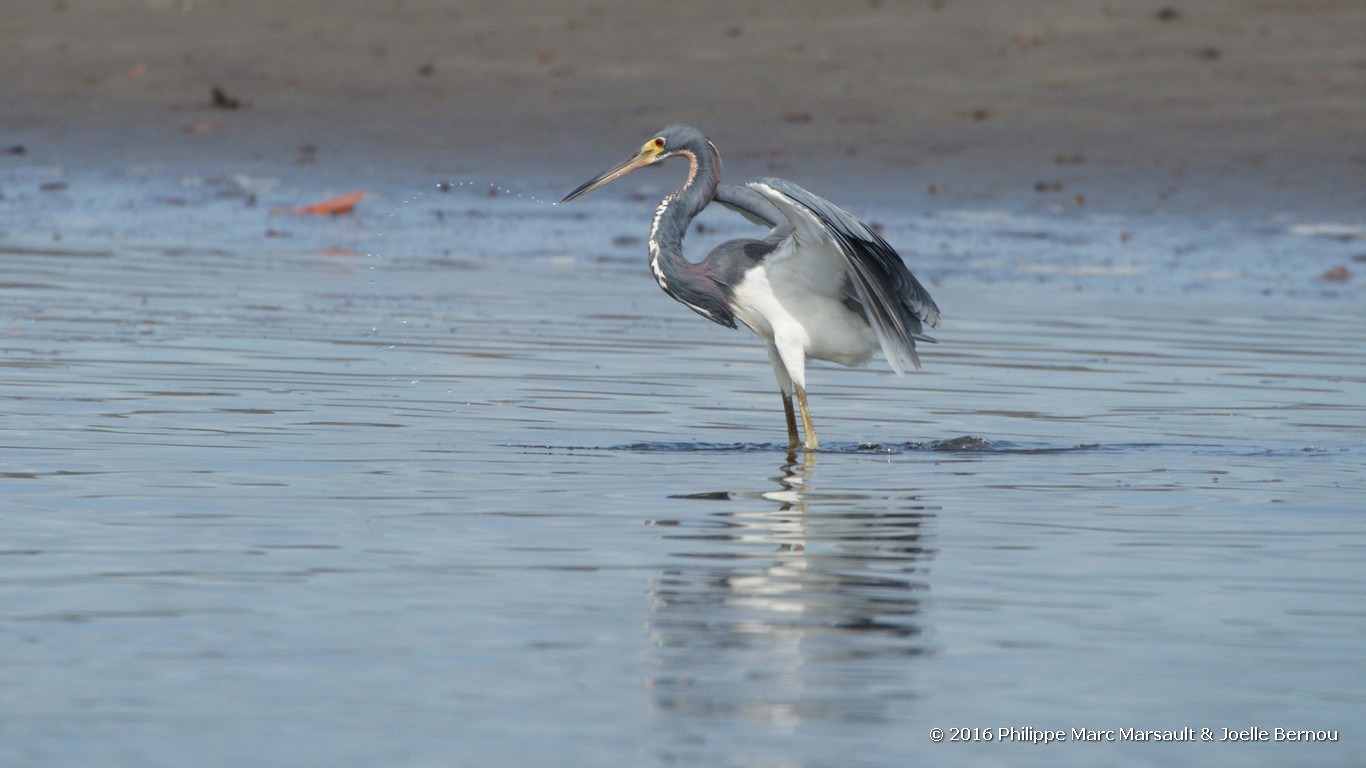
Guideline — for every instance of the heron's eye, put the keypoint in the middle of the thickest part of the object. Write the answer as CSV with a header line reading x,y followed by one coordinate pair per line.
x,y
659,142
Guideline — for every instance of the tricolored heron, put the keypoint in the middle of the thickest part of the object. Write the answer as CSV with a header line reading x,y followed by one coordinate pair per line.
x,y
822,285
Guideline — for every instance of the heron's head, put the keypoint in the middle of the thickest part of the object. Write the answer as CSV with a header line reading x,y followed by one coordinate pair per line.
x,y
672,141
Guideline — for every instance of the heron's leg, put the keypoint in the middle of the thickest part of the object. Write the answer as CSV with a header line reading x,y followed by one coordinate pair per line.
x,y
807,428
785,386
792,440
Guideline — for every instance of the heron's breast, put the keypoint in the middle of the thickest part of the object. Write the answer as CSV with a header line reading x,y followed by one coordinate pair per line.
x,y
754,303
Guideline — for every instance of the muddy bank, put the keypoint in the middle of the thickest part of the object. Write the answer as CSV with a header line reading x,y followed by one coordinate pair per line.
x,y
1131,105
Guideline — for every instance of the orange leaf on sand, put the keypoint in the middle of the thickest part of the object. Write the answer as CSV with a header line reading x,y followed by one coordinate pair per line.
x,y
1338,274
333,207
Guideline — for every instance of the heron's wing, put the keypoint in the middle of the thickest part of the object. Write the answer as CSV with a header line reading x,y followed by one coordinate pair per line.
x,y
749,203
896,305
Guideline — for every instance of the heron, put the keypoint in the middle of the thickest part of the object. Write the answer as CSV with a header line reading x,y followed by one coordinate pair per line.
x,y
821,286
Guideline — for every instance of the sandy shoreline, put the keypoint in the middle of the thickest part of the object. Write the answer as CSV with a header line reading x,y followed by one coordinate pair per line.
x,y
1133,105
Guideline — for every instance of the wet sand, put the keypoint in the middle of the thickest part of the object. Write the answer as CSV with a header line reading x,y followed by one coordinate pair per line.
x,y
1133,105
448,480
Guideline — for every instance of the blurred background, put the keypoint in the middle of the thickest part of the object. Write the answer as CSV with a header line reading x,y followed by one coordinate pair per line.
x,y
1141,104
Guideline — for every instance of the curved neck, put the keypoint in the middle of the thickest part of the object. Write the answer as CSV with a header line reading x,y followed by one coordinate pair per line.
x,y
687,282
679,208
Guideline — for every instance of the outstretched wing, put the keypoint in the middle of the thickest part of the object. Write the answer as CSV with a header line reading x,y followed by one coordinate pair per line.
x,y
896,305
748,202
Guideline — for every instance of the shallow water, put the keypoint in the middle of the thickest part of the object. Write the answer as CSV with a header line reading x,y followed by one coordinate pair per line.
x,y
452,483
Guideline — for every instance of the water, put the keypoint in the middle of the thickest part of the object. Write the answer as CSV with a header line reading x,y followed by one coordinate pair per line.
x,y
451,482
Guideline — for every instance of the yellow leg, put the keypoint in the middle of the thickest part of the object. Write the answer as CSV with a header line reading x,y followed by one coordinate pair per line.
x,y
807,428
791,421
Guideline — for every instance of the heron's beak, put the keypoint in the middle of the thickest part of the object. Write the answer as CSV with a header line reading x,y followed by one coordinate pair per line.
x,y
646,156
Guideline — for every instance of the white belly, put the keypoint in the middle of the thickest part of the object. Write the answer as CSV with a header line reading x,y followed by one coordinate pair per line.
x,y
791,310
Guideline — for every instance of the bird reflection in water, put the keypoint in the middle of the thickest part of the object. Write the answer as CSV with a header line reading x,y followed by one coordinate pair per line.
x,y
790,605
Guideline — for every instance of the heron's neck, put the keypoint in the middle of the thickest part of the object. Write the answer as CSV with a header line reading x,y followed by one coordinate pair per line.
x,y
679,208
689,283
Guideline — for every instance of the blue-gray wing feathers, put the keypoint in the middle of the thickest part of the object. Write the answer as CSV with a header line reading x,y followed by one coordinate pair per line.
x,y
750,203
894,302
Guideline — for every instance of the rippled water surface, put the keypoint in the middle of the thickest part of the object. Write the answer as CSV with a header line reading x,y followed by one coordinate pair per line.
x,y
451,482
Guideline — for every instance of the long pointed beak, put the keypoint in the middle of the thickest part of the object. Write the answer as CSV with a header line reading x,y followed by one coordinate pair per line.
x,y
638,160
